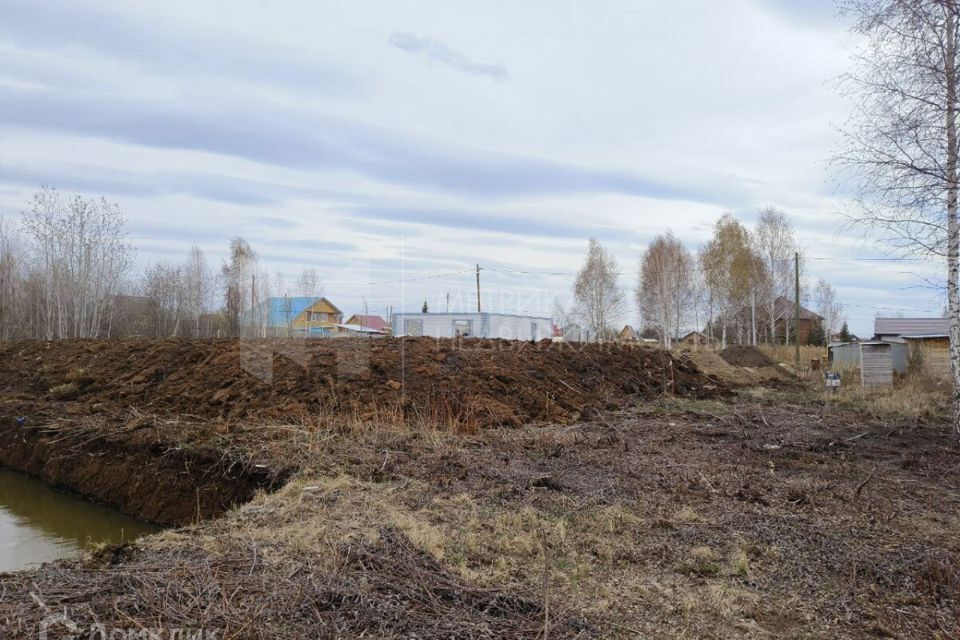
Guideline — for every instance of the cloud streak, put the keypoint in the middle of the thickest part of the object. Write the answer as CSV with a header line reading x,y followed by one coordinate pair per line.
x,y
491,222
213,187
439,52
303,140
173,52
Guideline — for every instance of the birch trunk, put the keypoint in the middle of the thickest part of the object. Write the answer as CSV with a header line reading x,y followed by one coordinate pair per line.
x,y
953,230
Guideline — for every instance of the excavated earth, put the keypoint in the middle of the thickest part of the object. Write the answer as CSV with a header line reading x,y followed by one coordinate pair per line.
x,y
744,356
167,430
480,382
488,490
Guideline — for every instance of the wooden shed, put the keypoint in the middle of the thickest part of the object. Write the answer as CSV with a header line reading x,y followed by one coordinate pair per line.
x,y
876,364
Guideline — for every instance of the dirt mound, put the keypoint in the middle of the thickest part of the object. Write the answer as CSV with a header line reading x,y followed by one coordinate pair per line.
x,y
742,356
467,384
712,365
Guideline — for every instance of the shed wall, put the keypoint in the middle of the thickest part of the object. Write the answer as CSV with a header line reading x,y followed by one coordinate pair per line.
x,y
483,325
845,356
876,365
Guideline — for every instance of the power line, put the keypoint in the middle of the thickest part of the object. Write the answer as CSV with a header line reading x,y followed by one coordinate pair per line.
x,y
373,284
866,259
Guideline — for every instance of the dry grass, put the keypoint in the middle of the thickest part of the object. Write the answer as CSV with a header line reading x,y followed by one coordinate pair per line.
x,y
663,520
786,355
63,391
914,397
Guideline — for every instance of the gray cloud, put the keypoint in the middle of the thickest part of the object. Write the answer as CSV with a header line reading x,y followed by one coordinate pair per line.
x,y
153,45
430,48
495,223
110,181
303,140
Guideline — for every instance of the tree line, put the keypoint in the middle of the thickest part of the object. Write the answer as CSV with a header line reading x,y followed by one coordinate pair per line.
x,y
67,271
738,287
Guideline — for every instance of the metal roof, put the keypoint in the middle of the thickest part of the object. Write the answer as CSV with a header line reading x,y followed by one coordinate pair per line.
x,y
466,314
911,327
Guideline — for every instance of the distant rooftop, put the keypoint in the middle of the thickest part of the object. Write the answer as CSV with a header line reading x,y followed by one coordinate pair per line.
x,y
784,308
911,327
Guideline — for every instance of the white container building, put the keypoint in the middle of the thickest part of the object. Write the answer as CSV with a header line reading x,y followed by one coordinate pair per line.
x,y
474,325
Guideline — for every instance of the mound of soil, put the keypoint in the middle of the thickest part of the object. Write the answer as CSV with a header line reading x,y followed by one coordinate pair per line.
x,y
742,356
471,383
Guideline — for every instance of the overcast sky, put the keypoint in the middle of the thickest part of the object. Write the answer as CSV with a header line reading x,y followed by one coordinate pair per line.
x,y
386,141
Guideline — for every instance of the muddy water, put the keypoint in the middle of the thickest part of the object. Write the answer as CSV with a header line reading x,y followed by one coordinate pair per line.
x,y
39,524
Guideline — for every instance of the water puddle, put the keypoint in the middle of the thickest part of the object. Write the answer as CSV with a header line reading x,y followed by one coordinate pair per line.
x,y
39,524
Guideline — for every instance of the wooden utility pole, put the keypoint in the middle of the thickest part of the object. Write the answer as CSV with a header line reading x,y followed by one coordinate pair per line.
x,y
478,288
796,309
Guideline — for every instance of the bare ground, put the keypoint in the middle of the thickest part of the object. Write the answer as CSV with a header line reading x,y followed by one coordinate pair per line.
x,y
766,515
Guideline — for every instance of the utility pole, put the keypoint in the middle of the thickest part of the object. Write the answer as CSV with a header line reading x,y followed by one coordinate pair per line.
x,y
478,288
796,309
448,302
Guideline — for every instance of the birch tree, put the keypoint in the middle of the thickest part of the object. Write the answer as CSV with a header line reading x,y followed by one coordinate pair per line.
x,y
774,244
597,295
82,255
901,149
730,271
239,281
308,284
828,307
665,295
163,285
13,274
198,289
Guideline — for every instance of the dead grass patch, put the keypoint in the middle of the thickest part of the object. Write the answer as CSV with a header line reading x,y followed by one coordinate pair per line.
x,y
913,397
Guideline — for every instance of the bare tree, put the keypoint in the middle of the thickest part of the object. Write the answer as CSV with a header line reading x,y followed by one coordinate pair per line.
x,y
163,286
665,295
82,254
261,304
198,289
308,284
562,318
901,146
11,278
775,245
829,308
239,280
598,297
731,271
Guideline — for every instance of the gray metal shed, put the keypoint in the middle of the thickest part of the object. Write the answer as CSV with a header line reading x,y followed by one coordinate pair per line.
x,y
876,364
847,355
474,325
844,355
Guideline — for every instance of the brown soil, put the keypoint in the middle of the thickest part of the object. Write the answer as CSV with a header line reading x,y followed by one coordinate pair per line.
x,y
743,356
472,384
637,513
137,467
712,365
771,516
169,430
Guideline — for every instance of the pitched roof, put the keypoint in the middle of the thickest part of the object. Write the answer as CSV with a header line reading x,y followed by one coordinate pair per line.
x,y
785,309
368,322
628,332
911,327
282,310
